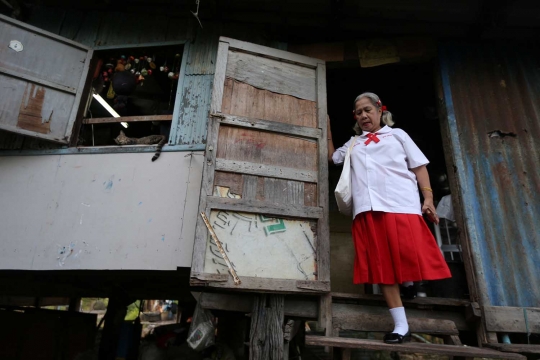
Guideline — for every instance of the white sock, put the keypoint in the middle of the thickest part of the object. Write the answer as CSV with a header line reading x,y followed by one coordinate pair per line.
x,y
401,326
407,283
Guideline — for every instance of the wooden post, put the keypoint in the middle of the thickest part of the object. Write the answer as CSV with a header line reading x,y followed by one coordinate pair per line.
x,y
74,304
266,337
114,317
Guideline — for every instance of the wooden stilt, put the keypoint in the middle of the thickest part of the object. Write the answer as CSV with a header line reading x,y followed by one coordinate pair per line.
x,y
266,337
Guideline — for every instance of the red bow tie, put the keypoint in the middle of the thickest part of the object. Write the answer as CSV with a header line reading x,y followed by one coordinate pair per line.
x,y
371,137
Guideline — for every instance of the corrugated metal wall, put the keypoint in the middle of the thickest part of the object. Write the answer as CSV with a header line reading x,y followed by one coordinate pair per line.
x,y
197,87
492,96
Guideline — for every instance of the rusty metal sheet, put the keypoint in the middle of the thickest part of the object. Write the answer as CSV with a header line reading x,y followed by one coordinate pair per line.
x,y
492,94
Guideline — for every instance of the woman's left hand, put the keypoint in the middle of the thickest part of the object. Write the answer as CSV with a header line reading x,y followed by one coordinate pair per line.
x,y
429,209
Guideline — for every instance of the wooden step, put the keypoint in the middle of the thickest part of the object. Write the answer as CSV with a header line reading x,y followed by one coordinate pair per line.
x,y
418,302
377,318
516,348
435,349
379,323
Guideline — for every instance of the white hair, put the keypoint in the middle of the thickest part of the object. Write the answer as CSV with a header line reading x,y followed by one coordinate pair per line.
x,y
376,101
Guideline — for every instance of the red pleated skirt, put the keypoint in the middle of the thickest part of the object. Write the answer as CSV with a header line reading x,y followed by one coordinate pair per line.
x,y
393,248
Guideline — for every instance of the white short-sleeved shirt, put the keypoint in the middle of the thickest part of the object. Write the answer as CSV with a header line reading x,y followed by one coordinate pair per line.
x,y
381,179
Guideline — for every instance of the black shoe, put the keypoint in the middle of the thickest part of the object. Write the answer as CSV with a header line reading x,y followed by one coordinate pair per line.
x,y
409,292
395,338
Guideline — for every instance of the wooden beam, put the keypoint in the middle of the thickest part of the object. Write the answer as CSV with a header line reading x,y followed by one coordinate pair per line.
x,y
344,313
245,167
436,349
271,53
252,283
516,348
127,119
419,301
305,309
512,319
272,75
266,336
219,78
263,207
382,323
268,125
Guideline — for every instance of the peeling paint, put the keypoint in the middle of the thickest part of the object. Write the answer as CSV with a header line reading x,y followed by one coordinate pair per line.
x,y
30,117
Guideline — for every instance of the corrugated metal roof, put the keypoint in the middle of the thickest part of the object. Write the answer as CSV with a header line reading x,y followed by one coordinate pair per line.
x,y
495,134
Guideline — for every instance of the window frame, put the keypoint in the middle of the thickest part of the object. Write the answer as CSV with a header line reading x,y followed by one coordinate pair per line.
x,y
171,143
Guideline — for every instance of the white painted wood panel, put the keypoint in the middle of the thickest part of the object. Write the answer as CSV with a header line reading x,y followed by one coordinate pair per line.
x,y
109,211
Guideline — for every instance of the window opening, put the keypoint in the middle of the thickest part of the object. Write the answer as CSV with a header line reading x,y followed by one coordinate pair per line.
x,y
409,93
133,92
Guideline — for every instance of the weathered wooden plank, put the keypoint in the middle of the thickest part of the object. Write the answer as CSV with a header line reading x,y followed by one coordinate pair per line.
x,y
322,286
348,311
266,148
295,192
371,322
127,119
246,167
209,277
235,182
473,312
207,189
219,77
306,309
323,245
273,126
100,150
512,319
250,187
36,80
266,335
515,348
250,283
271,52
244,100
423,301
452,339
264,207
310,194
227,96
260,189
272,75
421,348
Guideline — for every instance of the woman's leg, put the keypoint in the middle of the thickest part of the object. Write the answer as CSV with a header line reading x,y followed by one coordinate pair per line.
x,y
393,299
391,295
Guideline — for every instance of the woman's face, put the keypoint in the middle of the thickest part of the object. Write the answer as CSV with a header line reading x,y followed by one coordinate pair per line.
x,y
367,115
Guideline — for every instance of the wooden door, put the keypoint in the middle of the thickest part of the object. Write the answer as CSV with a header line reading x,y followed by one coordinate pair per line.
x,y
265,188
42,77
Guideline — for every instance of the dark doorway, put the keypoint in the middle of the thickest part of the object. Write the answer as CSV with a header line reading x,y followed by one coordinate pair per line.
x,y
409,93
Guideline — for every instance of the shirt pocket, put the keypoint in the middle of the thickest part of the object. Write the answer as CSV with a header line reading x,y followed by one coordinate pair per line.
x,y
399,192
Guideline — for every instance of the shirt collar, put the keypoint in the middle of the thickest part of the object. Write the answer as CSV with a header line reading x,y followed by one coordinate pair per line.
x,y
383,130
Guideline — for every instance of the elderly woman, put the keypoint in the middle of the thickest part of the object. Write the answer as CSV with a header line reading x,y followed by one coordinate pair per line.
x,y
392,241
